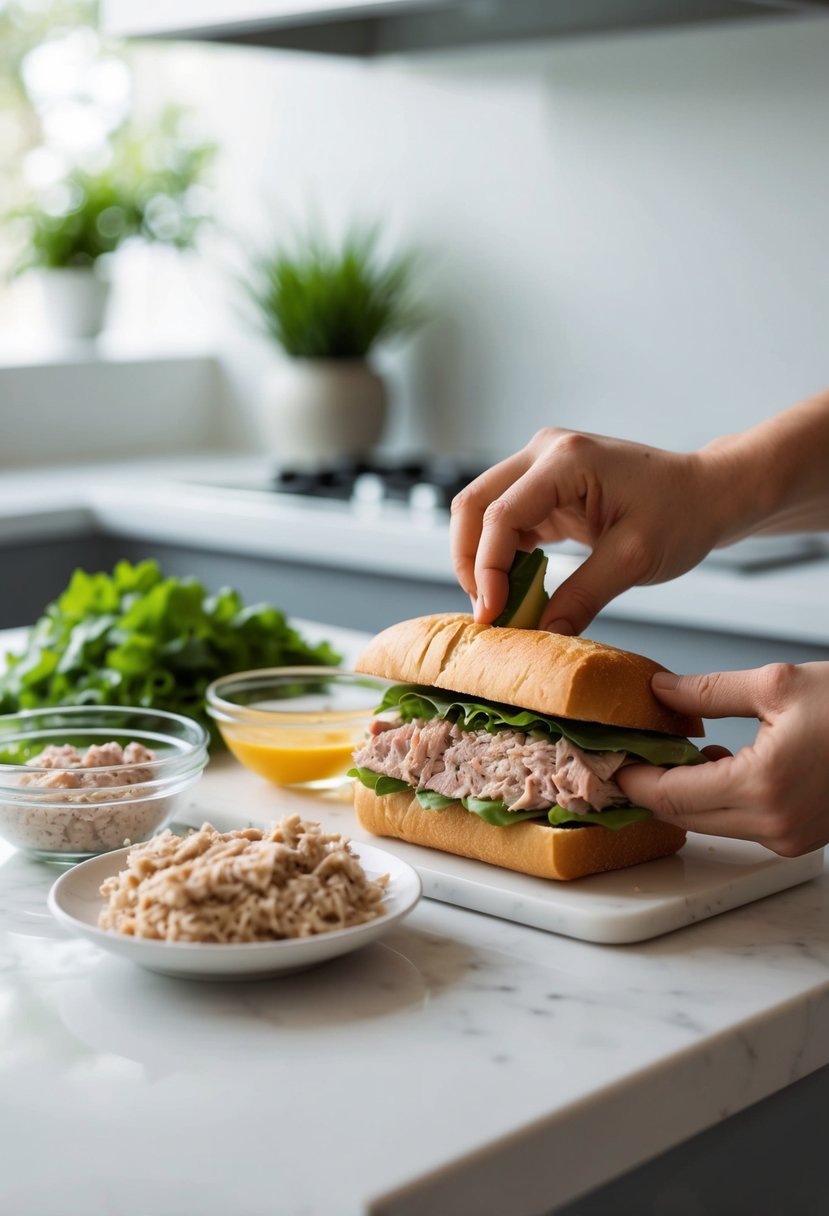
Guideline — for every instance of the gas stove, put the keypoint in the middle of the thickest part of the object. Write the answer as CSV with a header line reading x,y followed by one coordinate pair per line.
x,y
418,482
421,488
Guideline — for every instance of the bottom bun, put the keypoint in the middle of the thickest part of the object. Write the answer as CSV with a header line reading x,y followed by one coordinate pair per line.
x,y
530,848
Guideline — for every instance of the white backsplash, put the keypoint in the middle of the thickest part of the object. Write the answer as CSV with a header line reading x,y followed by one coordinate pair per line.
x,y
623,234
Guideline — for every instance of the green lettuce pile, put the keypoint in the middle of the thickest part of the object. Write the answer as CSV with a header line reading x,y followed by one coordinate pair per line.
x,y
413,701
137,638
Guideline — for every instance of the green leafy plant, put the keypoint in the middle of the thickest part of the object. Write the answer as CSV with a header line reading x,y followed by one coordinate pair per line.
x,y
323,301
151,189
137,638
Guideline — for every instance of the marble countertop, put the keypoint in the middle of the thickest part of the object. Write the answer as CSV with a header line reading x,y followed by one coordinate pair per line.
x,y
177,501
463,1064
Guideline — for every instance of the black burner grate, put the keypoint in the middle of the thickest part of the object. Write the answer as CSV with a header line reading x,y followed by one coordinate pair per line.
x,y
396,480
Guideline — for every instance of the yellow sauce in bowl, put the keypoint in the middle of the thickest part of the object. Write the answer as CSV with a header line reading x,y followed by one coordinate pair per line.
x,y
295,726
293,756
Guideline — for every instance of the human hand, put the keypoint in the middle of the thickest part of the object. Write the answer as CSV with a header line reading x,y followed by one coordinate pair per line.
x,y
647,514
777,790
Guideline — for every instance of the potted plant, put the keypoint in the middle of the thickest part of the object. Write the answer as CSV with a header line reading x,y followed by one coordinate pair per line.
x,y
68,232
328,307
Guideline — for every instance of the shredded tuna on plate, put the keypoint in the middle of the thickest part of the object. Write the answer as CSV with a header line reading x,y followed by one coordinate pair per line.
x,y
252,885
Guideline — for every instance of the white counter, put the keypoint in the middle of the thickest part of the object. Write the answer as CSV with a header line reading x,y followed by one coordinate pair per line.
x,y
464,1065
170,501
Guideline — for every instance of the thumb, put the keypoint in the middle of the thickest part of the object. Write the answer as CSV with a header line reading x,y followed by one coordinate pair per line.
x,y
720,694
599,578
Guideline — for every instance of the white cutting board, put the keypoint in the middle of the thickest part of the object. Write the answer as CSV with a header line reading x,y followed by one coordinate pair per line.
x,y
707,877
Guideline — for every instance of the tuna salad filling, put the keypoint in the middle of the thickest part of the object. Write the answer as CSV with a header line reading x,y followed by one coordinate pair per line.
x,y
98,767
506,764
523,772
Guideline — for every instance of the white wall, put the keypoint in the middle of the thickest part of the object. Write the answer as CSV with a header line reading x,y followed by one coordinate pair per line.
x,y
626,234
78,404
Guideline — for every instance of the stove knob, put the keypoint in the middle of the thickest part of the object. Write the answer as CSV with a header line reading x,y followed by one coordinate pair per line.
x,y
425,497
368,489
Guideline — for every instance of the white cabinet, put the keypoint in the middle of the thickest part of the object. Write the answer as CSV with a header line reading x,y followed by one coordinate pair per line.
x,y
377,27
216,19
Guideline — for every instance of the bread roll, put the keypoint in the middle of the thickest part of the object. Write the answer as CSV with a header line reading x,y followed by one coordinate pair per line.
x,y
528,847
528,668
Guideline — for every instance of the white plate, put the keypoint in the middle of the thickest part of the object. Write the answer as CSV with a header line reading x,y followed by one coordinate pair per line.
x,y
75,900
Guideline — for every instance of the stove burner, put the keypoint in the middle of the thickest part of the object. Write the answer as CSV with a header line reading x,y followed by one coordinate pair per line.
x,y
395,480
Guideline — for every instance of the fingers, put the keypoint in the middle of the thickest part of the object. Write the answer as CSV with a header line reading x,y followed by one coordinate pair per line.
x,y
517,512
495,516
529,497
467,519
687,790
704,798
599,579
722,694
772,792
716,800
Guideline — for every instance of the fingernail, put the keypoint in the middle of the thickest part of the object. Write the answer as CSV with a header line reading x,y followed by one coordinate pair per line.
x,y
665,680
561,626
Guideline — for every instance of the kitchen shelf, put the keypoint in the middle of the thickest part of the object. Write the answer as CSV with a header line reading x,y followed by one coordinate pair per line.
x,y
382,27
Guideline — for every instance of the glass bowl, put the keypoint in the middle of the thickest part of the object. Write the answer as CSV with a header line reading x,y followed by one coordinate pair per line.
x,y
296,726
66,812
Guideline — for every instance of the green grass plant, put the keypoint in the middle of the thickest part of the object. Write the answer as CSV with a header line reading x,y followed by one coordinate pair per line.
x,y
320,300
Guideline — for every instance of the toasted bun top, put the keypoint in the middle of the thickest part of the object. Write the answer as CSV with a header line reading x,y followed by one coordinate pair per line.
x,y
529,668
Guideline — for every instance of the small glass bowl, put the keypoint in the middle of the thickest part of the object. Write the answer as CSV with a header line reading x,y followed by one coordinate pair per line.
x,y
296,726
66,821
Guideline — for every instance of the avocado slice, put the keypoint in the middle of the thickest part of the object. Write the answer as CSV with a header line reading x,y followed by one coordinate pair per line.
x,y
527,598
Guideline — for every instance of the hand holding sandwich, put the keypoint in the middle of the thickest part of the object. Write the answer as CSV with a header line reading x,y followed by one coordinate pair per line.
x,y
776,791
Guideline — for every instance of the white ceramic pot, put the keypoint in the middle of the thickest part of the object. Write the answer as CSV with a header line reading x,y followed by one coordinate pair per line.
x,y
317,411
74,301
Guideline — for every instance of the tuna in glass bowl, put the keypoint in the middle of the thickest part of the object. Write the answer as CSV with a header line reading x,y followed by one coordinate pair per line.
x,y
85,779
296,726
